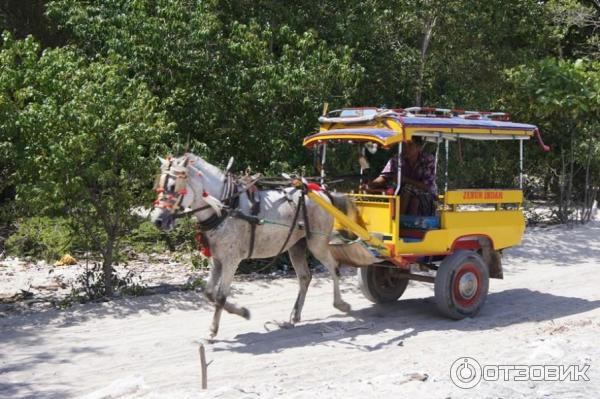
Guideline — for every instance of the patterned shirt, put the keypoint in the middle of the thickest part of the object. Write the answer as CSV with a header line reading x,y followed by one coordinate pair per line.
x,y
423,171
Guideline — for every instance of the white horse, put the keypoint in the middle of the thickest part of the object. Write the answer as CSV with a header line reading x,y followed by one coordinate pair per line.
x,y
190,182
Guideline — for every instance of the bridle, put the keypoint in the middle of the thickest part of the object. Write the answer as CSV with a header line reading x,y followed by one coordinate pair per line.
x,y
171,200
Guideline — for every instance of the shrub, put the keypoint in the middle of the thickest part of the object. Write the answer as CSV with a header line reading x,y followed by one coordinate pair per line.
x,y
146,238
42,238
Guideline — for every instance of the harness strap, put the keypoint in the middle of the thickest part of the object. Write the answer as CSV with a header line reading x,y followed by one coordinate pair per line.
x,y
301,206
253,221
248,218
212,222
305,217
252,194
252,239
228,201
230,197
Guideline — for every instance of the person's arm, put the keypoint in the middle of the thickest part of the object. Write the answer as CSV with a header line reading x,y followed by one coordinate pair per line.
x,y
378,182
386,173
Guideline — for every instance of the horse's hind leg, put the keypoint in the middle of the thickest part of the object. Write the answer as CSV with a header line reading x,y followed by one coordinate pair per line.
x,y
298,257
319,247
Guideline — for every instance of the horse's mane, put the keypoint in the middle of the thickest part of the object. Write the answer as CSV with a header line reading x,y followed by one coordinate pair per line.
x,y
208,166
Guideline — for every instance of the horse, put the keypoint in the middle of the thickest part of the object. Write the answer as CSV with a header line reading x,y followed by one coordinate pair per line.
x,y
223,207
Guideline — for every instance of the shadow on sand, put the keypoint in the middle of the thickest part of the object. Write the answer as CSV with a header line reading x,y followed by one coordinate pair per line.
x,y
24,330
410,318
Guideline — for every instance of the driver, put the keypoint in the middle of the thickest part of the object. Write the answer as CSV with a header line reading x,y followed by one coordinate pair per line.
x,y
418,189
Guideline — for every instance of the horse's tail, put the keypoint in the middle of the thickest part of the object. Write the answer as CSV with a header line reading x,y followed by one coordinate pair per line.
x,y
346,205
348,250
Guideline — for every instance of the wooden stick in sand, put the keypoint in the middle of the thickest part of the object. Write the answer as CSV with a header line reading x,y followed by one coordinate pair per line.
x,y
203,366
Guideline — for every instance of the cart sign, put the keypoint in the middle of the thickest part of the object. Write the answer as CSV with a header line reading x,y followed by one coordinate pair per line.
x,y
487,195
463,197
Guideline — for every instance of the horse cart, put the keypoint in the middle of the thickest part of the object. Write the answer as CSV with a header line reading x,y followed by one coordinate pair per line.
x,y
455,242
458,245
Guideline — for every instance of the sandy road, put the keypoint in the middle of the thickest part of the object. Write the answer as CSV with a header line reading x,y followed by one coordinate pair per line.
x,y
545,311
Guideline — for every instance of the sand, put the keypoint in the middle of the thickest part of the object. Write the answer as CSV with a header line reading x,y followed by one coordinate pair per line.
x,y
546,311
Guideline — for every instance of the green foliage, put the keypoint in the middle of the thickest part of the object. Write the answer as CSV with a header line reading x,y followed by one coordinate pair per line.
x,y
198,261
83,115
42,237
91,286
564,96
229,84
146,238
196,283
183,236
86,132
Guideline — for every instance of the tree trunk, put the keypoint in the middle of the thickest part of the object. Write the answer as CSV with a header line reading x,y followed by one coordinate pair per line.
x,y
569,195
562,179
588,192
427,33
107,258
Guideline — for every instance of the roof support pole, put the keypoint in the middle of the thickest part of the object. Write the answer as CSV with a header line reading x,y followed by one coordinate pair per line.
x,y
437,155
399,169
447,144
521,164
323,159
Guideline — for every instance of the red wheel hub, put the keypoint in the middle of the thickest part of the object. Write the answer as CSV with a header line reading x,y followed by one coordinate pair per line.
x,y
466,285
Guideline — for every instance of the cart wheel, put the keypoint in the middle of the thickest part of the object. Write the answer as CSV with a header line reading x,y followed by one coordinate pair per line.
x,y
381,284
461,285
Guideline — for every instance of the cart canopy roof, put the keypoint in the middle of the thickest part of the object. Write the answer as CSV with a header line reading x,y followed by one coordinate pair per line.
x,y
387,127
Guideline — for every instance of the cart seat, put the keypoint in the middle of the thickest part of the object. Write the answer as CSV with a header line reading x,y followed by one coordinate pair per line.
x,y
419,222
413,228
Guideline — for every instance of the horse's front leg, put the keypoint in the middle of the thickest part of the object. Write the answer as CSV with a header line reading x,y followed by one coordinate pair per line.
x,y
228,269
213,279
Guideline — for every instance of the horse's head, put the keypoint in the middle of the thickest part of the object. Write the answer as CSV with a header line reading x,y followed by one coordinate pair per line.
x,y
174,193
180,185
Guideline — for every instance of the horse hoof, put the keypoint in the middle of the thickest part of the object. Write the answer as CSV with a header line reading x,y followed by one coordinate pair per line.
x,y
245,314
286,325
278,324
343,306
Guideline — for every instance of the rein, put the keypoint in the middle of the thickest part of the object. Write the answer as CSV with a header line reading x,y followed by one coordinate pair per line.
x,y
229,199
226,200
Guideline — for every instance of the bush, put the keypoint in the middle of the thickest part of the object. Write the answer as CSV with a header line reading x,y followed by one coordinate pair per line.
x,y
42,238
146,238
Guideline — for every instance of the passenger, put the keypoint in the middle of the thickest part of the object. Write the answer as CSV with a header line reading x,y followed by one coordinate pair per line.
x,y
418,189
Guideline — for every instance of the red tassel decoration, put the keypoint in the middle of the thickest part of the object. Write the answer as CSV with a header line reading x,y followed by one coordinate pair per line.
x,y
202,247
313,186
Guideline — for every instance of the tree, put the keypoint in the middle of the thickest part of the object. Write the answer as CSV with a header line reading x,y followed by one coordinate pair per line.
x,y
88,134
564,98
228,83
